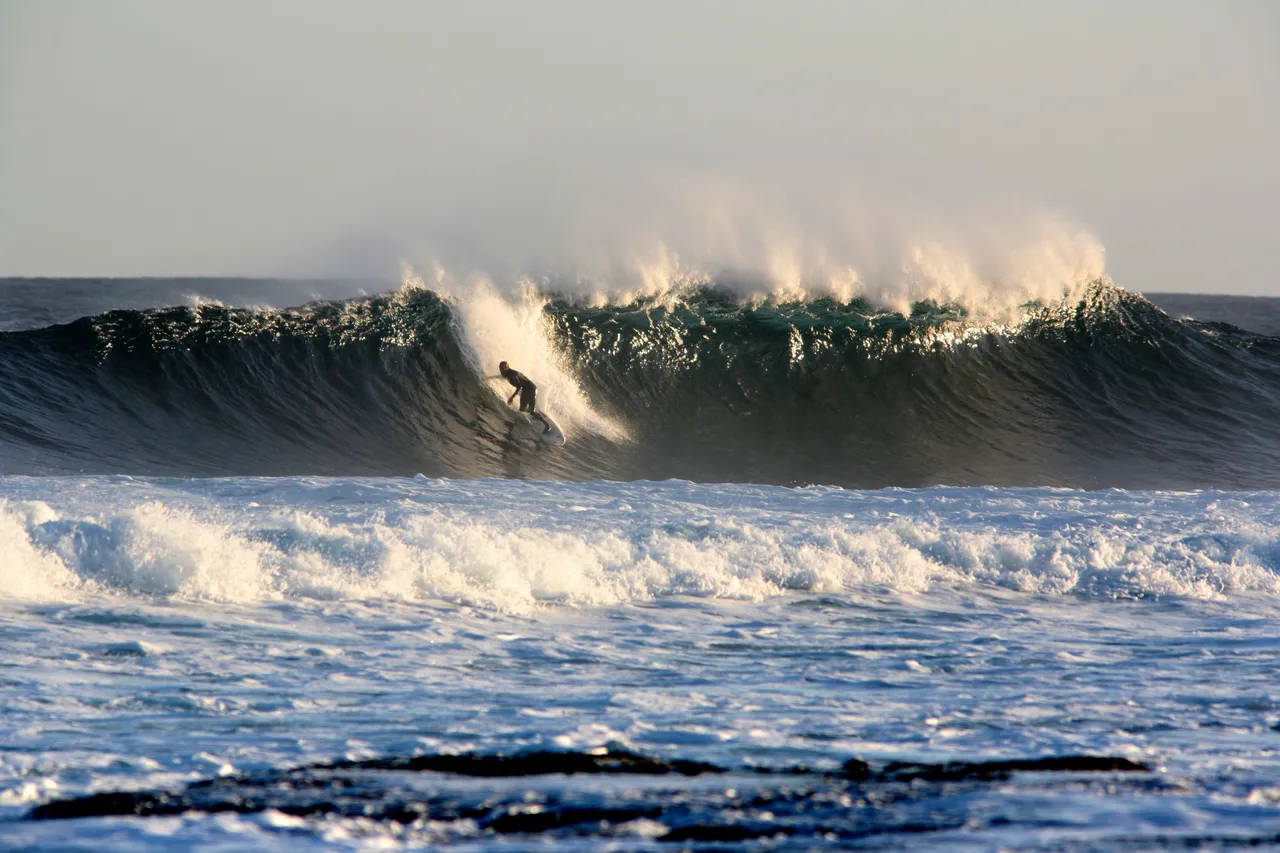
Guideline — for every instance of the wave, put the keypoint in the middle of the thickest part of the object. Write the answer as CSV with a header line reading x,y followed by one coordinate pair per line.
x,y
517,546
1096,390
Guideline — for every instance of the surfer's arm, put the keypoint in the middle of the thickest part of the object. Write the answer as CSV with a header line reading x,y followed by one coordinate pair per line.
x,y
513,393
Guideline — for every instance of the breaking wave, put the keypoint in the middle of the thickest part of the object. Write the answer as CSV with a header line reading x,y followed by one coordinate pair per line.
x,y
1099,388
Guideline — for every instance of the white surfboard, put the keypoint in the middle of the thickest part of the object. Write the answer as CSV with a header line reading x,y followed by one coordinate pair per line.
x,y
545,429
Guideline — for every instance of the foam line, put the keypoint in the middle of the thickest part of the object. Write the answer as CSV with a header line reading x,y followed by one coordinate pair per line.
x,y
518,547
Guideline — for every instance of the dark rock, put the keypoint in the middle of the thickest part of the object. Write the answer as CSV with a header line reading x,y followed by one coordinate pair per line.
x,y
855,768
957,770
702,832
112,803
532,764
548,819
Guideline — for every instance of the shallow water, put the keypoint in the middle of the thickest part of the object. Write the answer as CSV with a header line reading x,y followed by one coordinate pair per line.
x,y
165,632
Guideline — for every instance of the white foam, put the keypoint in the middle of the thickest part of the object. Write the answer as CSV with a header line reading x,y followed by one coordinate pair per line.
x,y
517,547
27,572
171,550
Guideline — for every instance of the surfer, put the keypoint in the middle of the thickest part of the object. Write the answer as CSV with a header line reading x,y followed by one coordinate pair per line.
x,y
526,389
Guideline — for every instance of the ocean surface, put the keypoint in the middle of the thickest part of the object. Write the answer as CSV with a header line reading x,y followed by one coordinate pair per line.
x,y
280,570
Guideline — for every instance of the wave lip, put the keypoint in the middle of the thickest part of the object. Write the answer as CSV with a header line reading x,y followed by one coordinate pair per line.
x,y
1099,390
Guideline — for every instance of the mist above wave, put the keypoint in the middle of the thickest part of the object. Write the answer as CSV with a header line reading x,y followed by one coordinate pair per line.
x,y
794,244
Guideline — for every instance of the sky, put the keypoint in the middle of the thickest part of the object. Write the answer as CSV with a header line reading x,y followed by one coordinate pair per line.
x,y
322,138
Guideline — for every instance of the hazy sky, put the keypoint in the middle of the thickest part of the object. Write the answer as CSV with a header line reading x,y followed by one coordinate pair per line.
x,y
313,138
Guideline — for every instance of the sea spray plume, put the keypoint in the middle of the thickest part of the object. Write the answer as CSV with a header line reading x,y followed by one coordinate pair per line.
x,y
515,327
1052,265
799,243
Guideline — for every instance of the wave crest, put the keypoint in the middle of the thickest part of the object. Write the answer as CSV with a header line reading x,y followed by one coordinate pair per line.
x,y
1100,389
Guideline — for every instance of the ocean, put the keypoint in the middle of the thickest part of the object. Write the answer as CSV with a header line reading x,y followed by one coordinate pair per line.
x,y
280,570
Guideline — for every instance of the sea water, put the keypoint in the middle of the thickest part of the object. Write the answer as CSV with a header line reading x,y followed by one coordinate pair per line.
x,y
243,608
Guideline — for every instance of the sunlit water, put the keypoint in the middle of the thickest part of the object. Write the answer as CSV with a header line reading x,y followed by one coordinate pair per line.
x,y
162,632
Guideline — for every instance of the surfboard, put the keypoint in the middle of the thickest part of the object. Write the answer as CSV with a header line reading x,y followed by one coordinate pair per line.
x,y
548,432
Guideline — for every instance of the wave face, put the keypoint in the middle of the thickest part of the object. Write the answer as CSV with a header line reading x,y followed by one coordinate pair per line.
x,y
1103,391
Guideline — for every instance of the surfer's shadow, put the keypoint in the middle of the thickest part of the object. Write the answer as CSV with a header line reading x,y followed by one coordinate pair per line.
x,y
517,437
527,434
522,452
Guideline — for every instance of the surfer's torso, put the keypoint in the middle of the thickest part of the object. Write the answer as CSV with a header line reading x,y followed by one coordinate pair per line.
x,y
519,380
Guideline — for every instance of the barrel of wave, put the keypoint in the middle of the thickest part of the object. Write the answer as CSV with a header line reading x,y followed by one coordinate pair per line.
x,y
513,327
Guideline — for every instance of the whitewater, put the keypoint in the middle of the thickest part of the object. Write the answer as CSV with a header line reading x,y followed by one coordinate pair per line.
x,y
991,565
